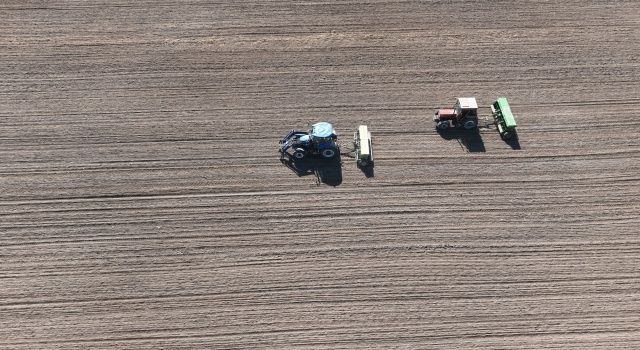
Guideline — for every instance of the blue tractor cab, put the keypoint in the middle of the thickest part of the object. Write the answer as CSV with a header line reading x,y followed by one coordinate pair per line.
x,y
323,136
320,140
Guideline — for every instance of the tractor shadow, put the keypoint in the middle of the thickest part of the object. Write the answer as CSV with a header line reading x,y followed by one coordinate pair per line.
x,y
327,171
469,139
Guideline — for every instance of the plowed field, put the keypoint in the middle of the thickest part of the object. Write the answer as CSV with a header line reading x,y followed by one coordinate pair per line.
x,y
143,204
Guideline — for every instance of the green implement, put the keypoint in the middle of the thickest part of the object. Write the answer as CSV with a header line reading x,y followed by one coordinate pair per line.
x,y
504,119
363,149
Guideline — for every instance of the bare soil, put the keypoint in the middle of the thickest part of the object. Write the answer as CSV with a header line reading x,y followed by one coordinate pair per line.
x,y
143,204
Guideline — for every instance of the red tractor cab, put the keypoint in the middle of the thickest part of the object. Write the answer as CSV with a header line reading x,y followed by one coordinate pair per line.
x,y
464,114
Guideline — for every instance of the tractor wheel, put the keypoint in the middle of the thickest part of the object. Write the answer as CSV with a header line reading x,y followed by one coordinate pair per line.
x,y
469,124
328,153
299,153
442,125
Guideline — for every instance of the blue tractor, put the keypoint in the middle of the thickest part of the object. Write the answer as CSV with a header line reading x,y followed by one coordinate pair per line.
x,y
320,140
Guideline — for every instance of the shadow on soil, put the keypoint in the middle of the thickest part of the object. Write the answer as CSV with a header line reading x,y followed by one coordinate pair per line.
x,y
327,171
513,143
469,139
367,170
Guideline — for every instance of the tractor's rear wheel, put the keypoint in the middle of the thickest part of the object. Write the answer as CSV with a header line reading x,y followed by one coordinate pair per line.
x,y
469,124
328,153
299,153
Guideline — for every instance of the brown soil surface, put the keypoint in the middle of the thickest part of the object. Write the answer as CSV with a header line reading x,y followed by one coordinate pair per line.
x,y
143,204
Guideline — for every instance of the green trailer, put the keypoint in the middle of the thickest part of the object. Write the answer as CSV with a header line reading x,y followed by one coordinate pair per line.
x,y
504,119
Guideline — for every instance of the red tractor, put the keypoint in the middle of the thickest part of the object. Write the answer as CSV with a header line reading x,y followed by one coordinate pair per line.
x,y
464,114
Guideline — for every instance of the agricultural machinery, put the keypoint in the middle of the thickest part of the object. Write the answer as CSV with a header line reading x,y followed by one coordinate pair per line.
x,y
320,140
502,116
362,147
463,114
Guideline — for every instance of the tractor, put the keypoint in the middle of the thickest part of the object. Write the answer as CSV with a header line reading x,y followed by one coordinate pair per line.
x,y
320,140
502,116
464,114
362,147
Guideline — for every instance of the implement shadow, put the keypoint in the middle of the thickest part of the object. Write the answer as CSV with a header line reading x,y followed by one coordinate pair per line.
x,y
367,170
327,171
514,143
469,139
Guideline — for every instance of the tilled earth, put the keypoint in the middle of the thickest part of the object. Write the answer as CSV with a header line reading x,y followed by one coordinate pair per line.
x,y
143,203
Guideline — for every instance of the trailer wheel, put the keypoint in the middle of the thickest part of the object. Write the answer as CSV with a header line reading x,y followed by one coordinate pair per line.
x,y
328,153
442,125
469,124
299,153
362,162
507,135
